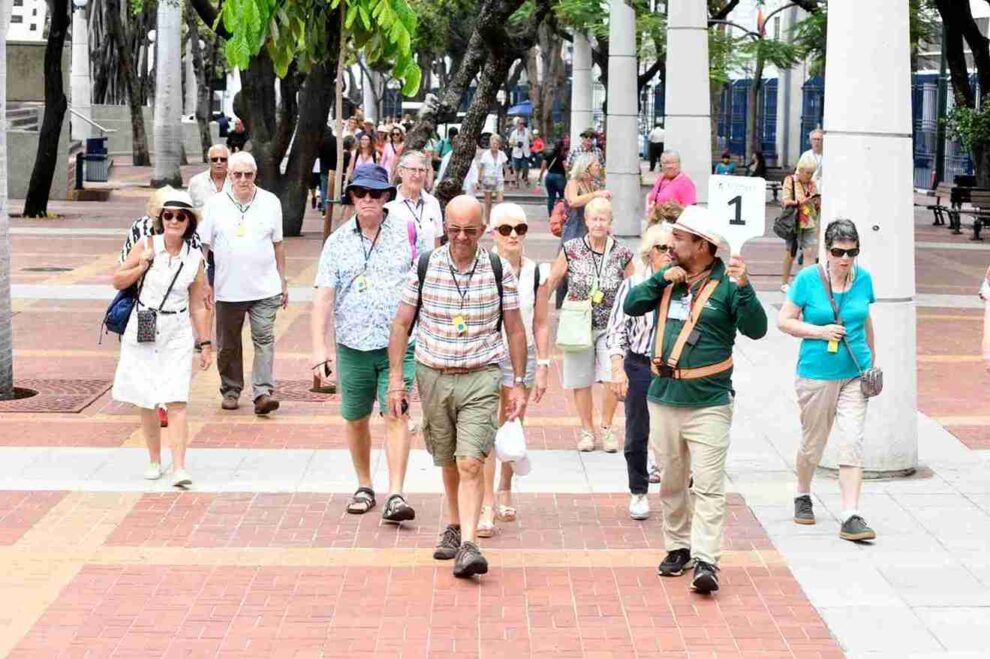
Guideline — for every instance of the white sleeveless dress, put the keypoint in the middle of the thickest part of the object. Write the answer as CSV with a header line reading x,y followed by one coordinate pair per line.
x,y
151,374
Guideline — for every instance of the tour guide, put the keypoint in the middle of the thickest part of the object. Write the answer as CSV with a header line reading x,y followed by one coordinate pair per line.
x,y
690,397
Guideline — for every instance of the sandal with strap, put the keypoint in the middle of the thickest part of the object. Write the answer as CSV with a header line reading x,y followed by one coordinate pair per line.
x,y
397,510
505,513
486,529
362,501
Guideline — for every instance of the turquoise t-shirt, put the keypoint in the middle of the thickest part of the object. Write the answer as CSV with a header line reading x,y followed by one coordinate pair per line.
x,y
808,292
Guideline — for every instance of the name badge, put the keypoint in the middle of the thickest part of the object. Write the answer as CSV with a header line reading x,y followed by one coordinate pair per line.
x,y
241,230
833,346
361,283
597,296
460,325
680,309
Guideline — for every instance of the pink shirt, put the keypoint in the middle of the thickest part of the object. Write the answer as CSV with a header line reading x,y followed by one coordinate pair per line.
x,y
679,189
390,158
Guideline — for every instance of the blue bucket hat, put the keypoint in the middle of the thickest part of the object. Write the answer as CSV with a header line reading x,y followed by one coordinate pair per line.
x,y
370,177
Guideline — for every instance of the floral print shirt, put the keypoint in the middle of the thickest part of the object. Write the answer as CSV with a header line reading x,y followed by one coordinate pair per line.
x,y
588,270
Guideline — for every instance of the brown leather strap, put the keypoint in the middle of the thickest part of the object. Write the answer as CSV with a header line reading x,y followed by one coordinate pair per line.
x,y
700,372
692,320
661,323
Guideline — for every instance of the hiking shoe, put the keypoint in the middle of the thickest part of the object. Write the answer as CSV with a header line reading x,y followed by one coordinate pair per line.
x,y
449,543
397,510
803,513
609,443
705,578
469,561
639,506
586,441
265,404
855,528
675,563
229,403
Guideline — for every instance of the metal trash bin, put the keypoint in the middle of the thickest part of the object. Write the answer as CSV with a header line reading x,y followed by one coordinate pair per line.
x,y
97,168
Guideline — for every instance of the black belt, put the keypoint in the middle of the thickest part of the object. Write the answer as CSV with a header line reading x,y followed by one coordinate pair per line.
x,y
172,313
635,356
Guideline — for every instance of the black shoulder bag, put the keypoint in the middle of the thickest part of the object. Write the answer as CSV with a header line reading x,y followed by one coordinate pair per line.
x,y
147,327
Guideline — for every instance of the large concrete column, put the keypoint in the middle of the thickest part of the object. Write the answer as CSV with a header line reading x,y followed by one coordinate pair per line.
x,y
368,88
868,121
581,87
688,102
790,99
622,129
80,85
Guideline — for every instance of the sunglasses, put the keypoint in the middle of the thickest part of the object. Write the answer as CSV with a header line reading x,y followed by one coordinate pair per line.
x,y
470,232
506,230
396,134
660,248
361,193
174,216
244,175
218,159
839,253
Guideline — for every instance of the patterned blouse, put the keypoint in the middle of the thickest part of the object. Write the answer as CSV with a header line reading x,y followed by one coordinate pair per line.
x,y
585,267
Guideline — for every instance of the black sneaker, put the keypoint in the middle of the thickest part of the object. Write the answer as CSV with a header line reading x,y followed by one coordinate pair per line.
x,y
803,512
397,510
705,578
469,561
675,563
450,542
855,529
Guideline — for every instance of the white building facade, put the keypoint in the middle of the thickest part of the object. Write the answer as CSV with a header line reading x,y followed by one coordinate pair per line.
x,y
27,20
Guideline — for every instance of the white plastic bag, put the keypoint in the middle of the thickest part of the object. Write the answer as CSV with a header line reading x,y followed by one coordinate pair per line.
x,y
510,442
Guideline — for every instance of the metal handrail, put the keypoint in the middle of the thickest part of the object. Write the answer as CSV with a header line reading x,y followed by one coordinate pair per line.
x,y
92,123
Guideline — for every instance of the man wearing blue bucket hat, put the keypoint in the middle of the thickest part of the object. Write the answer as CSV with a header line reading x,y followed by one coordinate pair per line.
x,y
362,270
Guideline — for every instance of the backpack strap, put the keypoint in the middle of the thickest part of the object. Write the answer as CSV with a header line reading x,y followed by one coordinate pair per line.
x,y
422,265
668,367
496,262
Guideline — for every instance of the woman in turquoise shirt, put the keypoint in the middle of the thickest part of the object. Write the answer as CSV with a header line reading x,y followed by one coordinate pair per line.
x,y
834,352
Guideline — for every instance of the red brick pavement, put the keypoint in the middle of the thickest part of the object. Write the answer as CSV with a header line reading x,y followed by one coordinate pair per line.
x,y
19,511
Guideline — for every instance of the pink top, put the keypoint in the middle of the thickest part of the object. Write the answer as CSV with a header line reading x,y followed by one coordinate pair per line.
x,y
390,158
679,189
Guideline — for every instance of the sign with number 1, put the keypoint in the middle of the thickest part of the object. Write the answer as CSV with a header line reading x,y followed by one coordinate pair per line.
x,y
738,204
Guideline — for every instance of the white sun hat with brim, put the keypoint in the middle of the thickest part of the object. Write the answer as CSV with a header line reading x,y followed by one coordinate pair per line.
x,y
698,221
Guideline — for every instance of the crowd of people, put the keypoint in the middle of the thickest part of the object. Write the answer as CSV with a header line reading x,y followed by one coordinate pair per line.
x,y
407,293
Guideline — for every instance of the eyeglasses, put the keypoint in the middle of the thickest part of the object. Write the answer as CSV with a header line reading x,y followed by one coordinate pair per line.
x,y
218,159
507,229
361,193
470,232
839,253
415,170
244,175
176,216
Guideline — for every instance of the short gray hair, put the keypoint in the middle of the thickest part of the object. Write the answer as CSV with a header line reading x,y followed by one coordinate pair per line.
x,y
670,154
807,163
242,158
219,146
817,131
409,155
841,231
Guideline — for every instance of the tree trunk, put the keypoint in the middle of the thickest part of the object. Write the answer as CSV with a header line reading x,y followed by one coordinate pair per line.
x,y
492,77
6,329
753,141
545,70
115,31
168,95
40,187
204,83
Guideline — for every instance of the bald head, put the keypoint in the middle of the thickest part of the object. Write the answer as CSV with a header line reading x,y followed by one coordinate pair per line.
x,y
464,209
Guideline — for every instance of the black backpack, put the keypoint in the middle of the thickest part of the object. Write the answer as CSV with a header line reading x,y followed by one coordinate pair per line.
x,y
423,264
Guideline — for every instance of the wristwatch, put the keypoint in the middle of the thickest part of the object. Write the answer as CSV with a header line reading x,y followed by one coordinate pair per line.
x,y
519,380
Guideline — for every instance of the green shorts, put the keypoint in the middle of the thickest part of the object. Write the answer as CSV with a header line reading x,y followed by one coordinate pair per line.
x,y
363,374
460,412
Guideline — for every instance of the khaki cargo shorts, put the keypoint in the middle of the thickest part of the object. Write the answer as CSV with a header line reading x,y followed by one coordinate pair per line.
x,y
460,412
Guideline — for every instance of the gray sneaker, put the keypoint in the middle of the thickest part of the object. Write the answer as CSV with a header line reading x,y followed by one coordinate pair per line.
x,y
450,542
803,513
855,529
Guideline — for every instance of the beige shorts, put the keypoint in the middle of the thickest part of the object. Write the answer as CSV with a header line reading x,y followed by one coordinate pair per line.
x,y
583,368
460,412
825,403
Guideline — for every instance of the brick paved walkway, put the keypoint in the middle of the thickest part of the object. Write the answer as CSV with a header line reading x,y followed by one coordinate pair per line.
x,y
261,560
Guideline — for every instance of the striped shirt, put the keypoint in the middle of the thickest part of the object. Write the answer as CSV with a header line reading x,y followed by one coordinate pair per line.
x,y
141,229
629,333
472,296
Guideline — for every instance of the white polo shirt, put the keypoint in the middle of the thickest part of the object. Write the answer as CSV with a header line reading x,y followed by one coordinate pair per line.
x,y
243,239
202,188
425,212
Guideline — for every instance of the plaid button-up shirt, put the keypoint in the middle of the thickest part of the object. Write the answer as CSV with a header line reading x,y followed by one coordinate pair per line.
x,y
473,296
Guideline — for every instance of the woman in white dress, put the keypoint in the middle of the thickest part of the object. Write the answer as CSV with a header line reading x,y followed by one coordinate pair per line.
x,y
156,373
491,173
509,229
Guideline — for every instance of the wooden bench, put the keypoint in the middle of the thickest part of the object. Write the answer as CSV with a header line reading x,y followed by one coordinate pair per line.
x,y
940,209
775,181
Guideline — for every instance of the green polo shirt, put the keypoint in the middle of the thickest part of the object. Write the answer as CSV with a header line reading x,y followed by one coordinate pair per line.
x,y
730,307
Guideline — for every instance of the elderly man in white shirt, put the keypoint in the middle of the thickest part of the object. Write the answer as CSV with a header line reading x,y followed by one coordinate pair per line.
x,y
204,185
243,229
817,139
519,140
414,206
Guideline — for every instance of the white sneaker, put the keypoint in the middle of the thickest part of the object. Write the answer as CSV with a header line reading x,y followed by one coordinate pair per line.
x,y
153,472
586,441
180,478
784,288
639,506
609,443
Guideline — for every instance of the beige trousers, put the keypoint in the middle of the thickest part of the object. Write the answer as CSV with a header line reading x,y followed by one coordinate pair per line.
x,y
692,441
825,403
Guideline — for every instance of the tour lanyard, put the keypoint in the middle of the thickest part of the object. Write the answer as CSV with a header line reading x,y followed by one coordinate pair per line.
x,y
833,346
361,281
596,294
467,284
421,205
243,211
692,298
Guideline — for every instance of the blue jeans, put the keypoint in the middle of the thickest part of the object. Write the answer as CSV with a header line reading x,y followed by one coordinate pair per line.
x,y
555,189
637,445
